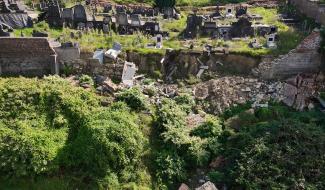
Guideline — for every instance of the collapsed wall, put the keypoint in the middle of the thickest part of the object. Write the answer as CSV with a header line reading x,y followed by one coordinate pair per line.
x,y
27,57
304,59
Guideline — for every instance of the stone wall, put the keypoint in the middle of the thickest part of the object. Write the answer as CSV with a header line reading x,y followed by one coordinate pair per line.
x,y
27,57
67,53
311,9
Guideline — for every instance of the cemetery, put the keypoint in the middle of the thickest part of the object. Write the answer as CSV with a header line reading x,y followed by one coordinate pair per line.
x,y
162,94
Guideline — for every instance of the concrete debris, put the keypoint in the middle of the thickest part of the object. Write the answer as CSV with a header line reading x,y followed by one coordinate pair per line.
x,y
225,92
207,186
129,71
299,90
183,187
115,51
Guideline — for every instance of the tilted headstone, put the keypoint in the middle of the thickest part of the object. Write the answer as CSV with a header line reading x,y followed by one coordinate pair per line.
x,y
115,51
129,71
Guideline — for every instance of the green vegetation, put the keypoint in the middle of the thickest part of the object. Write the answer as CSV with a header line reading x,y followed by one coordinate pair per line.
x,y
164,3
183,2
53,134
50,128
274,148
138,42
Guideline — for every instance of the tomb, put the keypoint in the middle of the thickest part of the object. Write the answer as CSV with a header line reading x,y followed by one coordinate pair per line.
x,y
271,41
79,15
194,24
241,28
67,16
36,57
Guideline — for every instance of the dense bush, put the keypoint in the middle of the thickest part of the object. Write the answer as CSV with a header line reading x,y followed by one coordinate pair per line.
x,y
48,126
133,98
282,149
183,145
111,142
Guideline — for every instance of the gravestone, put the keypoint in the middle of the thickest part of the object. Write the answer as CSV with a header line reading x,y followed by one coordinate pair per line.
x,y
129,71
159,41
135,20
115,51
105,28
194,24
3,33
229,11
107,8
67,15
240,11
122,19
241,28
79,14
271,41
120,9
169,12
54,15
151,28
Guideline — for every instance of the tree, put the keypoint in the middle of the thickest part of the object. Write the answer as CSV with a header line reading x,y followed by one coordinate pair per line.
x,y
164,3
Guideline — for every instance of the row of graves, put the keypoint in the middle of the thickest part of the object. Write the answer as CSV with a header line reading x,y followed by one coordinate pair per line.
x,y
234,22
12,16
121,19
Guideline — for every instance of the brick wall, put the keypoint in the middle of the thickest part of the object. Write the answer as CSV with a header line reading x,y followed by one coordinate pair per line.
x,y
27,57
304,59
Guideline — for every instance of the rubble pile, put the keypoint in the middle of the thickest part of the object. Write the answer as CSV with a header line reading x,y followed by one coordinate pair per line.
x,y
225,92
299,91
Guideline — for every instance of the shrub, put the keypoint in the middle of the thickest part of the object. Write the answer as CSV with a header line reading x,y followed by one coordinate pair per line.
x,y
86,79
186,102
170,167
133,98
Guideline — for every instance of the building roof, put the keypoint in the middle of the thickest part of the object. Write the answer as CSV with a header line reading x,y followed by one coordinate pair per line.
x,y
25,47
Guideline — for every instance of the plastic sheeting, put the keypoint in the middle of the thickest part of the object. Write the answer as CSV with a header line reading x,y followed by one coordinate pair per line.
x,y
15,20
